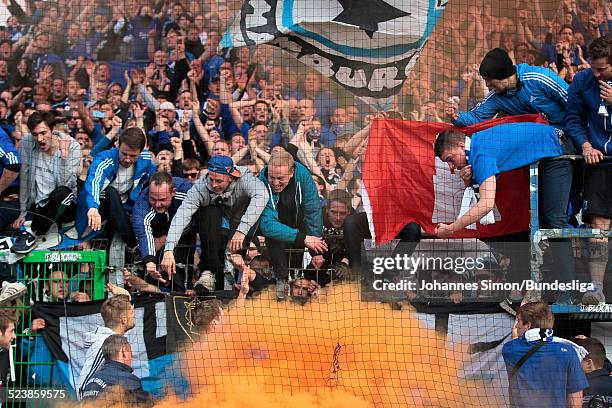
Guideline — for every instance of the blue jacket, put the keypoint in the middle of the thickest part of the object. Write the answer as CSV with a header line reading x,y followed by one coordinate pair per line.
x,y
582,118
161,139
305,214
143,217
9,157
102,173
104,144
540,90
228,126
116,373
42,367
549,52
600,383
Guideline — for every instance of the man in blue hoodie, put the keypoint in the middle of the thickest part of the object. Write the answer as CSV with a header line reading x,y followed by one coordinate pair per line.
x,y
292,218
589,125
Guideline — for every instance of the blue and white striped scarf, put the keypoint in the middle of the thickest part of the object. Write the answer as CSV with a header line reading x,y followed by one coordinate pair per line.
x,y
547,336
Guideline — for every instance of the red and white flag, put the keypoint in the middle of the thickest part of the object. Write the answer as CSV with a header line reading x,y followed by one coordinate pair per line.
x,y
404,182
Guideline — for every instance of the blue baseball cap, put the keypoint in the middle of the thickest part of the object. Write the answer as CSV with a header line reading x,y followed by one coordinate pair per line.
x,y
223,165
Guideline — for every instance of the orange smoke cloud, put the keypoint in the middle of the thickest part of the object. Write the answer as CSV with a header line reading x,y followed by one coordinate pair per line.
x,y
334,352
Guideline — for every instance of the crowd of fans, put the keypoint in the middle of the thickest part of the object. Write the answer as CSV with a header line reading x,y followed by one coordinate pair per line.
x,y
125,119
156,67
126,67
532,32
153,67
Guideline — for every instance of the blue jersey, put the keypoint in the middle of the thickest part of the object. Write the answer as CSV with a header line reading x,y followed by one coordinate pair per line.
x,y
9,157
511,146
539,90
546,378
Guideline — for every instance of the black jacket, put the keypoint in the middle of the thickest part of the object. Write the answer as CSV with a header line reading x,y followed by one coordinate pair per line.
x,y
4,368
600,384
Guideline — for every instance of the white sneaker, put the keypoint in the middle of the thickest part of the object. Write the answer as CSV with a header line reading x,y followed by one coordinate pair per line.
x,y
594,297
11,291
281,289
207,279
50,240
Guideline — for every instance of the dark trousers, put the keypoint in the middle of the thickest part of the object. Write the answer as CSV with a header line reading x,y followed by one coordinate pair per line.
x,y
555,182
183,255
217,224
111,209
356,229
60,207
213,240
9,211
516,248
284,256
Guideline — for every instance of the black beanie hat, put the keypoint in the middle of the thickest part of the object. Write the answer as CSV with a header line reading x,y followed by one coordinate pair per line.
x,y
496,65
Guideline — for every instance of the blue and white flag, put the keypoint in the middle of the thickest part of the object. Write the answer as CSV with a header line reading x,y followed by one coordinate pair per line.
x,y
68,326
367,46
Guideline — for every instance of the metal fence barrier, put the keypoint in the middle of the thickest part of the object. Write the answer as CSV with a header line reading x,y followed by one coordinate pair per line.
x,y
49,277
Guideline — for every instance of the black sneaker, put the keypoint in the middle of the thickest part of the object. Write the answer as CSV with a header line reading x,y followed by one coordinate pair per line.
x,y
25,243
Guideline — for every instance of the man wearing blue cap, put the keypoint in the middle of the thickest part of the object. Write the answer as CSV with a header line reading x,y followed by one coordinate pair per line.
x,y
230,200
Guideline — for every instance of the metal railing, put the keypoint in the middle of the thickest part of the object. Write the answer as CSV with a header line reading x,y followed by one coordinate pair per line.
x,y
75,271
538,234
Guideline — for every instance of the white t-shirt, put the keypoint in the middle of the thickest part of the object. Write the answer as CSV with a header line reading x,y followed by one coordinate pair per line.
x,y
124,181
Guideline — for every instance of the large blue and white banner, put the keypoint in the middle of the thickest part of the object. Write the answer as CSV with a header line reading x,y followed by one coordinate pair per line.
x,y
367,46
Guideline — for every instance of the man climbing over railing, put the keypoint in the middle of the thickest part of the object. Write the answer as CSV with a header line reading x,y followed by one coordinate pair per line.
x,y
521,89
589,125
487,154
